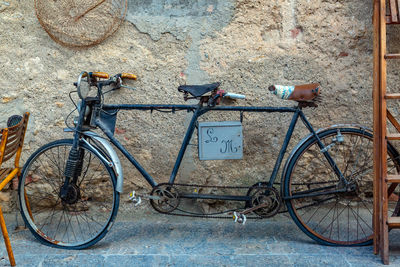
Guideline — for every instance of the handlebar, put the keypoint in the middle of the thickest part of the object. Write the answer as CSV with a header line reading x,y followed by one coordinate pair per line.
x,y
97,74
105,75
83,89
128,76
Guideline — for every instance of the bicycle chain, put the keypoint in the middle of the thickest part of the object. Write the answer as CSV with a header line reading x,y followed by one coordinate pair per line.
x,y
215,186
213,216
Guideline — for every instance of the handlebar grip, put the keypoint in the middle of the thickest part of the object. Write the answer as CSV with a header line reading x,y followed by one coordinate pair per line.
x,y
103,75
236,96
128,76
97,74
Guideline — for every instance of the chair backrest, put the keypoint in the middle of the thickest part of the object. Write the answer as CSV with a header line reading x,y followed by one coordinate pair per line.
x,y
12,138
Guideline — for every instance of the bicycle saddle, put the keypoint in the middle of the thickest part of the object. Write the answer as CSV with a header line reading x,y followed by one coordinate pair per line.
x,y
198,90
300,93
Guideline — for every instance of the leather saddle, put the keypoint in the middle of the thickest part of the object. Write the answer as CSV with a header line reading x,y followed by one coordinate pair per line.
x,y
299,93
198,90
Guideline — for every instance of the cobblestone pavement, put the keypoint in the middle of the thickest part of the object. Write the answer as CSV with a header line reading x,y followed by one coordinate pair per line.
x,y
162,240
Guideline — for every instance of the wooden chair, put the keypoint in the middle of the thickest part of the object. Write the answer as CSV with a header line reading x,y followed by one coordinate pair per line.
x,y
11,142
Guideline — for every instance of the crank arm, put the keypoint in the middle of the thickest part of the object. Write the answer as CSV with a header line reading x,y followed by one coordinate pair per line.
x,y
246,211
151,197
133,196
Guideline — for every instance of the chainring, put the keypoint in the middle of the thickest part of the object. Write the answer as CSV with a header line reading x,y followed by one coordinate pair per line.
x,y
260,193
166,198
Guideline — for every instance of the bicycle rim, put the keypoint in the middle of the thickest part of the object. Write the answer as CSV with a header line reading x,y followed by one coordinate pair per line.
x,y
341,218
91,209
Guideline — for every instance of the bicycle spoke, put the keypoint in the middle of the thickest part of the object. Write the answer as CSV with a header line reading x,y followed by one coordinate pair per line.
x,y
334,211
60,171
335,219
73,221
345,218
315,212
358,217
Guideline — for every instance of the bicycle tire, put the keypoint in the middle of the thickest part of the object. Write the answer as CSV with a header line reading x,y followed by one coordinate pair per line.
x,y
340,219
51,220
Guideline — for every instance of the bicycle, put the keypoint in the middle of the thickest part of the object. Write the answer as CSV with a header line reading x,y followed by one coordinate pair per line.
x,y
69,189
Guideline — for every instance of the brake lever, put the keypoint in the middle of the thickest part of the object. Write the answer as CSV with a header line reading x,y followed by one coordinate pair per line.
x,y
119,83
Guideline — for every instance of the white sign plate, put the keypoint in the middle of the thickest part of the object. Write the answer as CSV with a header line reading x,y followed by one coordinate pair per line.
x,y
220,140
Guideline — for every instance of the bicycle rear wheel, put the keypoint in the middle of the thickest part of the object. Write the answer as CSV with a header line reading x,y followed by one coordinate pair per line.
x,y
343,219
92,203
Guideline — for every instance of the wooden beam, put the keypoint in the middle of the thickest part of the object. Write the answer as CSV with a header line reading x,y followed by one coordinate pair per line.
x,y
393,136
393,10
393,178
394,222
392,56
392,96
377,129
392,120
398,9
384,230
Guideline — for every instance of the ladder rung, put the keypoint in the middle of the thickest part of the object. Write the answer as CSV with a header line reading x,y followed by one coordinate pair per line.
x,y
393,96
395,136
393,178
394,222
390,21
392,56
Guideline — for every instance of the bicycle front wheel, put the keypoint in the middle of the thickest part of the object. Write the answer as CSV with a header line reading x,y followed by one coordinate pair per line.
x,y
86,216
344,218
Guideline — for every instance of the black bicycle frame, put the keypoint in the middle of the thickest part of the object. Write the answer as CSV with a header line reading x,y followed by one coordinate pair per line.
x,y
199,110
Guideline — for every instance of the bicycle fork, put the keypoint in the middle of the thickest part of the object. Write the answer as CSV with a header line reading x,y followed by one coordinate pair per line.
x,y
69,192
325,151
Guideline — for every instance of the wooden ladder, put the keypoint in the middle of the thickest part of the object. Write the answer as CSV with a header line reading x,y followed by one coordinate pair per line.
x,y
385,12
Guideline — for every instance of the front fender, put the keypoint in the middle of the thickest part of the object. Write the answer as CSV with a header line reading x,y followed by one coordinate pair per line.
x,y
112,154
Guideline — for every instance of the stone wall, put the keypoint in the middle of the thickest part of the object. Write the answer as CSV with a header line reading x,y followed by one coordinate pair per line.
x,y
244,44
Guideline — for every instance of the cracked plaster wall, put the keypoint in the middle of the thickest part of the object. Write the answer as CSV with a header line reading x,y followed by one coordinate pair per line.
x,y
245,44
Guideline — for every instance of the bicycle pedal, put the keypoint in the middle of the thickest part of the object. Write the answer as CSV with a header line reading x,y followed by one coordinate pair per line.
x,y
135,199
239,217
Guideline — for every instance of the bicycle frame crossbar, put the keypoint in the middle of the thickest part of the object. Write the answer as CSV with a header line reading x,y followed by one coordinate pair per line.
x,y
199,110
197,107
